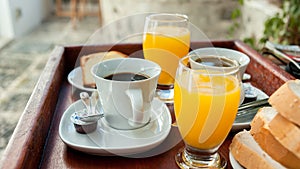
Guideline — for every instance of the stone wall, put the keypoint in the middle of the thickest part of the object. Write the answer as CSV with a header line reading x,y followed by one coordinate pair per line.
x,y
211,16
254,14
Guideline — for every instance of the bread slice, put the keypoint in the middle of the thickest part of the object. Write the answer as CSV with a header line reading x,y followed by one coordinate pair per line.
x,y
249,154
88,61
261,133
286,100
286,133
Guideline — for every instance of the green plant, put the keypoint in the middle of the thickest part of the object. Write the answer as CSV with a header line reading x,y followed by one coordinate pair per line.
x,y
284,27
235,15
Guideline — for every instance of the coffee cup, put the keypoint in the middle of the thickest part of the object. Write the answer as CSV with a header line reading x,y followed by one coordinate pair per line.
x,y
207,61
227,54
126,88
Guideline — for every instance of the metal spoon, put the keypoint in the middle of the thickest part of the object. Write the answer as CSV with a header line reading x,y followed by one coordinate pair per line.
x,y
90,103
293,70
91,118
94,99
279,54
254,104
85,98
246,109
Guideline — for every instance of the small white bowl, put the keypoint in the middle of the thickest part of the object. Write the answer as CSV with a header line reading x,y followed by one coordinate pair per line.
x,y
240,57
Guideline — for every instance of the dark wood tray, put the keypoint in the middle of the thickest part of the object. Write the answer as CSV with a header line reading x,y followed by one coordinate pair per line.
x,y
36,143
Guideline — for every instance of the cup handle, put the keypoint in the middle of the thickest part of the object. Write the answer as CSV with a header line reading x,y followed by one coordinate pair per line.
x,y
136,99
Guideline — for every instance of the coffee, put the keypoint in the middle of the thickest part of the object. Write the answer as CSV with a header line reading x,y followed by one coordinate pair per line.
x,y
214,61
126,76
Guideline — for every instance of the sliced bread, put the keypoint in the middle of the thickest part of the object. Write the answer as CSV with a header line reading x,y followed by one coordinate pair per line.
x,y
261,132
249,154
286,100
88,61
286,133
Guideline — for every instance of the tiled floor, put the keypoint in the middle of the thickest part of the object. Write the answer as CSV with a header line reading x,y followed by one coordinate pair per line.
x,y
23,59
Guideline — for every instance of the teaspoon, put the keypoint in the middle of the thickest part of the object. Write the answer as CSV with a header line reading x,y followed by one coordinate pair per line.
x,y
90,103
278,53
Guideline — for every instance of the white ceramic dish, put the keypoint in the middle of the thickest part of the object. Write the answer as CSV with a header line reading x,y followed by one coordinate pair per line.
x,y
75,79
234,163
108,141
242,122
240,57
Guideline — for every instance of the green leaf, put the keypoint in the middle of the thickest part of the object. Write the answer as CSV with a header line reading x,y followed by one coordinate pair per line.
x,y
235,14
241,2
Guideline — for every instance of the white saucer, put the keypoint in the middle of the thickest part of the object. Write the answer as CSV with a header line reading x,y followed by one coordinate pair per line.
x,y
75,79
234,163
242,122
108,141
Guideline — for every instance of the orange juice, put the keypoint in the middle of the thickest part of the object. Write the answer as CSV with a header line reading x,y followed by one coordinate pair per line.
x,y
166,46
206,111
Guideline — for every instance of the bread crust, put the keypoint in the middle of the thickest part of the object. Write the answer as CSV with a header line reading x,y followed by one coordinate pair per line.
x,y
247,157
286,133
275,132
287,101
87,61
261,133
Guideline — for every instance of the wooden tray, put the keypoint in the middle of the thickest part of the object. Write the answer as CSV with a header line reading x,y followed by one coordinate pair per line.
x,y
36,142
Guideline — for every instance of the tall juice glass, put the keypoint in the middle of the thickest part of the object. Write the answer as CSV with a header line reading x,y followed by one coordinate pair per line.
x,y
206,101
166,39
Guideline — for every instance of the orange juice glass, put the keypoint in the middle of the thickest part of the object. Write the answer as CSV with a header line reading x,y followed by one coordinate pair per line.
x,y
166,40
206,101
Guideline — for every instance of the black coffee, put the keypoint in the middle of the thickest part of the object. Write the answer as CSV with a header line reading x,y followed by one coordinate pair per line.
x,y
212,61
126,77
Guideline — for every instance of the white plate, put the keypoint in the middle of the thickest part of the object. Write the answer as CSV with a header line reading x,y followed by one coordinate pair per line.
x,y
75,79
234,163
108,141
242,122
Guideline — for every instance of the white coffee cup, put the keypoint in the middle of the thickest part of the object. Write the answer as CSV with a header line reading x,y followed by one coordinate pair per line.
x,y
242,59
207,61
126,104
